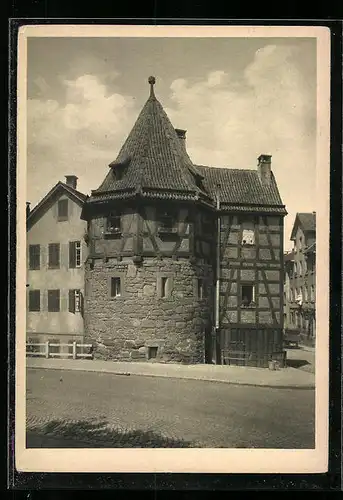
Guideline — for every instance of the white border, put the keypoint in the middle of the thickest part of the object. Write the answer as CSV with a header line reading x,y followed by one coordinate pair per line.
x,y
182,460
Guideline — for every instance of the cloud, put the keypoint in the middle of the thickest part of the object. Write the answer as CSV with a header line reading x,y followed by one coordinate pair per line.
x,y
270,109
231,118
78,137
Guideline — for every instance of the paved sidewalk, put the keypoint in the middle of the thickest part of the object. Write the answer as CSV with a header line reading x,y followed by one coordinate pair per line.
x,y
260,377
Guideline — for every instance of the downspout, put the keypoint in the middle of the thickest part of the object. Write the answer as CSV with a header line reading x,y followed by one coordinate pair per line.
x,y
217,262
217,312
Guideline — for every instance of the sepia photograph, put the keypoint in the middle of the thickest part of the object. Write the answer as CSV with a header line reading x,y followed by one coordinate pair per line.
x,y
172,186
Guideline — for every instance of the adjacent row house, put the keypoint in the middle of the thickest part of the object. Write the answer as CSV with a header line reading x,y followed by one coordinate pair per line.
x,y
56,252
300,279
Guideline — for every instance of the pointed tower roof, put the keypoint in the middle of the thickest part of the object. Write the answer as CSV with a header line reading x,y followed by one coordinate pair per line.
x,y
153,162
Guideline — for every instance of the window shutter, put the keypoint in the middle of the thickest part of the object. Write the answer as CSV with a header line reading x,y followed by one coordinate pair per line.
x,y
72,254
72,301
31,256
81,304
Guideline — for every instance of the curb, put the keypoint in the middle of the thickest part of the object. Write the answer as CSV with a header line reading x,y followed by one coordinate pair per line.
x,y
127,374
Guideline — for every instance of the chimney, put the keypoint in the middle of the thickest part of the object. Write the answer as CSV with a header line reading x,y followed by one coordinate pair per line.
x,y
181,135
71,180
28,208
264,169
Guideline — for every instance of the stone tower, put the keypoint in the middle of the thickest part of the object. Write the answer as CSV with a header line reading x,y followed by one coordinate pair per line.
x,y
149,274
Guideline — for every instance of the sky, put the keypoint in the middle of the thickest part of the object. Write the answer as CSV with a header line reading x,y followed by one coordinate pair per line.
x,y
236,97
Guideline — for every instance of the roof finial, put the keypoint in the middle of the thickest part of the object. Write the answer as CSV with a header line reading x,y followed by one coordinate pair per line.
x,y
152,81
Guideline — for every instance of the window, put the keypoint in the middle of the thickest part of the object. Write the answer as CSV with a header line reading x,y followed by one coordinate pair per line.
x,y
167,223
74,254
75,301
152,352
53,300
34,257
248,237
34,300
164,281
247,295
305,292
313,294
115,287
54,255
202,290
165,284
113,223
62,210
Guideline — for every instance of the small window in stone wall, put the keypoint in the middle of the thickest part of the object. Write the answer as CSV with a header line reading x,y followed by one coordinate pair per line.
x,y
201,288
164,282
152,352
164,286
115,287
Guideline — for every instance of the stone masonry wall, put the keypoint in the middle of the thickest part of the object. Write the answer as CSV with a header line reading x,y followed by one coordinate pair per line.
x,y
127,327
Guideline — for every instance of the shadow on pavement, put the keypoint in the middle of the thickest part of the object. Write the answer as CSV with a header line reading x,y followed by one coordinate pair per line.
x,y
297,363
87,434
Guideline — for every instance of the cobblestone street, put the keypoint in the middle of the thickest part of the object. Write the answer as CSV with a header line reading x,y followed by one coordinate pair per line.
x,y
105,410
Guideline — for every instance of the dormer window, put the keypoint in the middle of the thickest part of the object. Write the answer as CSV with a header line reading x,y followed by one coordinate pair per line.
x,y
119,167
167,223
113,224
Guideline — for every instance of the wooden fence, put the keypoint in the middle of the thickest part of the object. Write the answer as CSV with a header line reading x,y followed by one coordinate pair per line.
x,y
46,349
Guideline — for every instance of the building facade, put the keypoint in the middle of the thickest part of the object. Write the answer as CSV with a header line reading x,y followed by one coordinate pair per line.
x,y
184,260
300,273
56,251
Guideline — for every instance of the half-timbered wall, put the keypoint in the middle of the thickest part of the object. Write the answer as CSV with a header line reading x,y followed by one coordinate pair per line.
x,y
251,281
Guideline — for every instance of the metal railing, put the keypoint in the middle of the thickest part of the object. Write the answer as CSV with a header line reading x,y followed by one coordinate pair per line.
x,y
44,349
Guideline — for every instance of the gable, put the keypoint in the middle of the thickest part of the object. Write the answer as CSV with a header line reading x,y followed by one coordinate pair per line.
x,y
307,222
59,192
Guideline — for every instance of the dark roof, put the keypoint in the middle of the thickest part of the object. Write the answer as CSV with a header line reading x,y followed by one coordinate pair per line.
x,y
76,195
154,163
239,187
153,158
307,221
